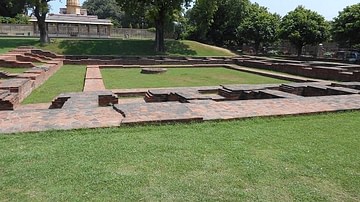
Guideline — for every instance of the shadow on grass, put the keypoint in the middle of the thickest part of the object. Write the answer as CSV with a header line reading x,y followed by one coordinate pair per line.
x,y
10,43
107,47
121,47
179,48
100,46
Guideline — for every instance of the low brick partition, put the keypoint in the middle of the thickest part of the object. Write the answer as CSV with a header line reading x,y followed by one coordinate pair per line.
x,y
148,60
328,71
19,86
92,110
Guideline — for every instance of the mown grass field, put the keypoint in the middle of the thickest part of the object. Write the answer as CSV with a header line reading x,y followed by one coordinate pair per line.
x,y
180,77
304,158
70,78
115,47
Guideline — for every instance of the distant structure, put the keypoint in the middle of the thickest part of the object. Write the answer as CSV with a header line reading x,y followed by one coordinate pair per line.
x,y
73,21
72,7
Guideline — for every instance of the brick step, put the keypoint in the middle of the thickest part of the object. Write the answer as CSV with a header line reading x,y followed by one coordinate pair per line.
x,y
149,97
58,102
38,56
3,94
9,101
229,94
8,57
46,53
14,63
26,58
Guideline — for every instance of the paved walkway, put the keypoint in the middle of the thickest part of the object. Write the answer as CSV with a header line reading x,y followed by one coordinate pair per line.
x,y
93,79
81,110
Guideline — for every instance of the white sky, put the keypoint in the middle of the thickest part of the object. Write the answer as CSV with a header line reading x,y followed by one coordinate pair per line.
x,y
328,8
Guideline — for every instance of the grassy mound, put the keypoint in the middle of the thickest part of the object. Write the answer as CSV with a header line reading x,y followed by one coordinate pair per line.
x,y
116,47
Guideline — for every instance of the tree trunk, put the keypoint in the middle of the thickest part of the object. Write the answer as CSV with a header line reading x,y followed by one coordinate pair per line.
x,y
41,16
299,50
257,45
44,37
160,29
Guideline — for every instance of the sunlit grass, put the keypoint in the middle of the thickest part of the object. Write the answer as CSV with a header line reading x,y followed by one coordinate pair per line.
x,y
180,77
304,158
70,78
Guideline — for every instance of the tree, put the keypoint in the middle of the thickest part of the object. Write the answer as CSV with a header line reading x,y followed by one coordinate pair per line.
x,y
11,8
304,27
346,27
259,27
228,16
105,10
199,19
40,10
216,21
160,11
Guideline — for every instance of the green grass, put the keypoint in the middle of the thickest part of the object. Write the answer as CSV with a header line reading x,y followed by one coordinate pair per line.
x,y
180,77
305,158
70,78
116,47
13,70
7,44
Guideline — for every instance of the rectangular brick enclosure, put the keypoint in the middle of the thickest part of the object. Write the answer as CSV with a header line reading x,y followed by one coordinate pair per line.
x,y
100,107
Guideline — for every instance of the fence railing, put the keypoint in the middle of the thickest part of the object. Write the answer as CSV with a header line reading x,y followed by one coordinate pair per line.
x,y
28,31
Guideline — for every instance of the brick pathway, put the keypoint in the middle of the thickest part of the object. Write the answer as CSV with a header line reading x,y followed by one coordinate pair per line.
x,y
81,110
58,119
93,79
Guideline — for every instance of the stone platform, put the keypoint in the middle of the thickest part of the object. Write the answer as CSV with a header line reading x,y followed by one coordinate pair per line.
x,y
103,109
97,107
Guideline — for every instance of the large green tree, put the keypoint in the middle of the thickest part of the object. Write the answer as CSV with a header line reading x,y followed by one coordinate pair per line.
x,y
346,27
160,11
109,9
199,19
304,27
216,21
11,8
40,10
259,27
226,19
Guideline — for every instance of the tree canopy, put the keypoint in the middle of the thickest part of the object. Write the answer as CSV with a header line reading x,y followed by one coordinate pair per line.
x,y
40,10
11,8
216,21
259,27
105,10
346,27
159,11
304,27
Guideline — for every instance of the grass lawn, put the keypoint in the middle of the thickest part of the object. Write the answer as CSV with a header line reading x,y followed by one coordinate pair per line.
x,y
116,47
70,78
7,44
304,158
180,77
13,70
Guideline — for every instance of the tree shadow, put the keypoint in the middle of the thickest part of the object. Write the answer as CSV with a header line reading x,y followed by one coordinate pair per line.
x,y
122,47
178,48
107,47
9,43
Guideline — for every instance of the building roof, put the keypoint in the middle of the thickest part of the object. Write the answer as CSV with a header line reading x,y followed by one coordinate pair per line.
x,y
74,19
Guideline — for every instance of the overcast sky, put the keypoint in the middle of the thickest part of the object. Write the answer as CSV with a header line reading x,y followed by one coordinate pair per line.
x,y
328,8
